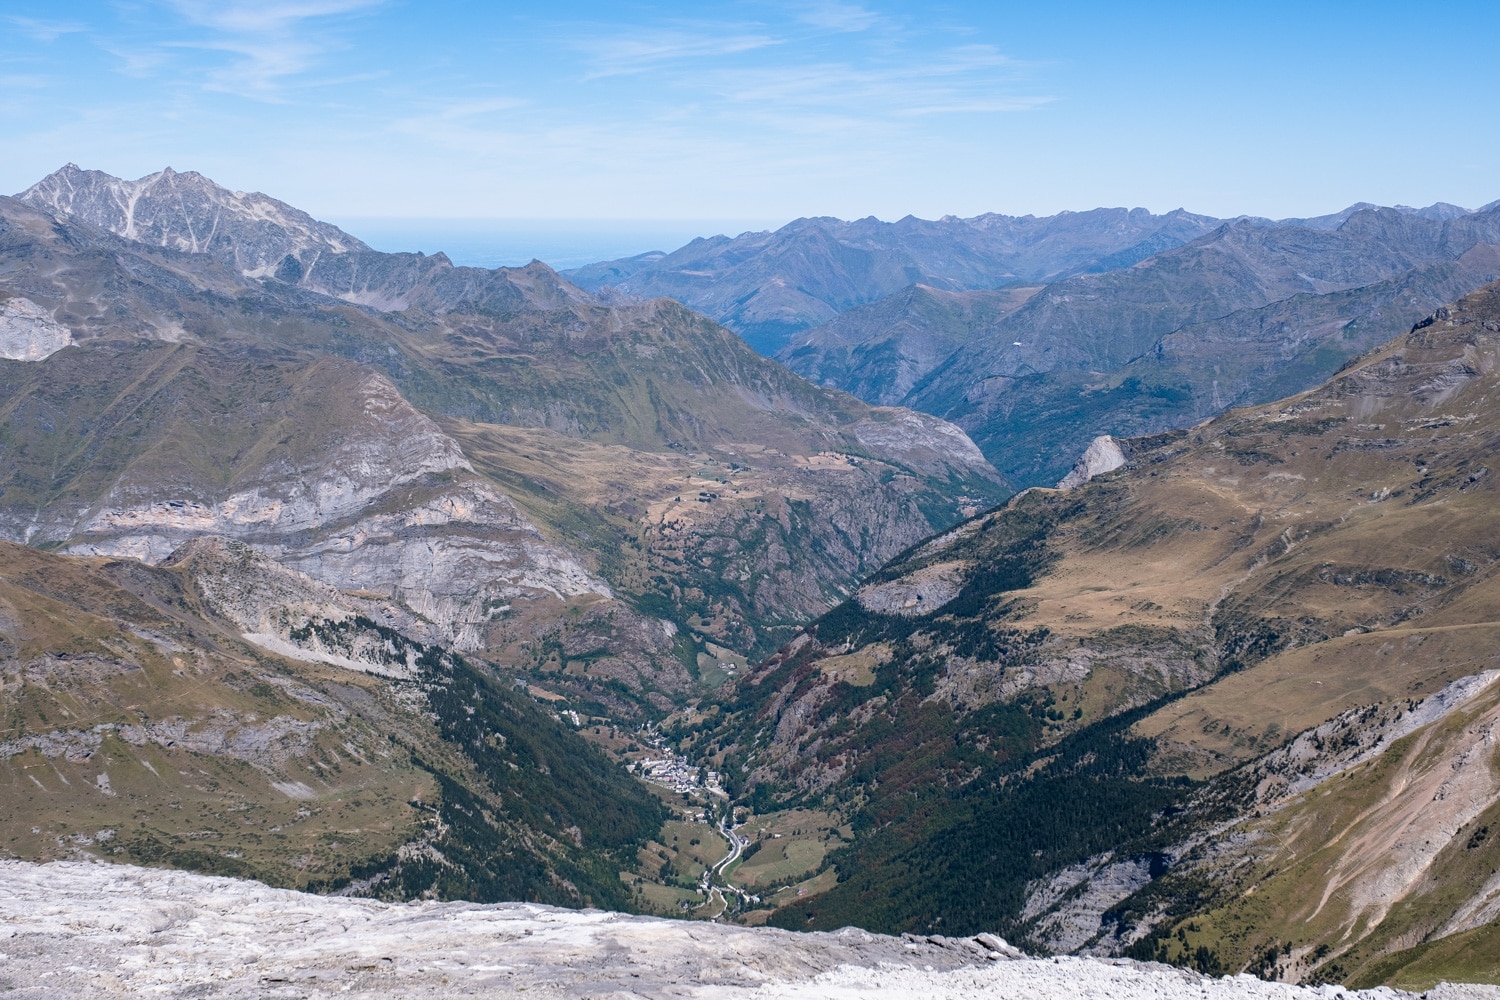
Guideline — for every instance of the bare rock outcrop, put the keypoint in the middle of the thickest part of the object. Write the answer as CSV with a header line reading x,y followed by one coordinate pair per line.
x,y
28,332
1102,455
71,929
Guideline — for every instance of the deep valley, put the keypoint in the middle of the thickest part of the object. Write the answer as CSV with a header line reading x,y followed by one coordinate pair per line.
x,y
364,574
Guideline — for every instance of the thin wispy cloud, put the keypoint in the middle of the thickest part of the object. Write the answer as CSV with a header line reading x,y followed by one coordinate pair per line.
x,y
964,80
258,67
268,44
264,18
883,73
975,106
843,17
44,30
479,109
140,62
619,55
828,90
974,57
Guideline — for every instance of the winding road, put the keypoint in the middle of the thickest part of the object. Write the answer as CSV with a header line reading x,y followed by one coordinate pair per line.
x,y
737,845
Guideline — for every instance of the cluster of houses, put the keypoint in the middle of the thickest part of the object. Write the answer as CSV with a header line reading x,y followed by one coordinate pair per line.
x,y
678,774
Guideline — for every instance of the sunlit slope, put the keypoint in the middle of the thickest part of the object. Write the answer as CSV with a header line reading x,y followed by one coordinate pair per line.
x,y
1043,687
1362,852
142,724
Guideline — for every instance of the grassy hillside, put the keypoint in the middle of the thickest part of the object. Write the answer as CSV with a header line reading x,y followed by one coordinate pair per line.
x,y
1061,719
141,727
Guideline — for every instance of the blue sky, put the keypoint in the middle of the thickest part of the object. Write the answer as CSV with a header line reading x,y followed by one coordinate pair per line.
x,y
761,112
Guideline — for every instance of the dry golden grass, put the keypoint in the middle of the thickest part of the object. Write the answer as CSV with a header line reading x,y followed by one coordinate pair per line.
x,y
1355,521
1372,862
856,668
1352,530
1243,715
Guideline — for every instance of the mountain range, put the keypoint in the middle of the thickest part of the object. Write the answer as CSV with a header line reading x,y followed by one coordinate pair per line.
x,y
1246,314
768,286
257,451
1147,323
365,573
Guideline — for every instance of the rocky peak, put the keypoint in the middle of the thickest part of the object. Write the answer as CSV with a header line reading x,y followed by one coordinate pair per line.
x,y
189,212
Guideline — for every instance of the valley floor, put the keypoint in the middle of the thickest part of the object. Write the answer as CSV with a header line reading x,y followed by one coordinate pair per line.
x,y
95,930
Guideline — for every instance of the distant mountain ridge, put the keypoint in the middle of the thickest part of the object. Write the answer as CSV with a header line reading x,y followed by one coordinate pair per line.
x,y
1242,314
880,351
1079,334
767,286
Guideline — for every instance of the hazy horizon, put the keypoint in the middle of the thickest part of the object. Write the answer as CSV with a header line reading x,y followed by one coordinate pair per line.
x,y
559,243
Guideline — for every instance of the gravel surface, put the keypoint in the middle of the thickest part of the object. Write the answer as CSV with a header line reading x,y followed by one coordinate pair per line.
x,y
92,929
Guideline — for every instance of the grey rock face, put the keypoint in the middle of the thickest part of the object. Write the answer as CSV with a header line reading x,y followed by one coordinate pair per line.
x,y
1102,455
918,593
339,469
111,930
323,467
1066,909
189,212
928,444
28,332
290,613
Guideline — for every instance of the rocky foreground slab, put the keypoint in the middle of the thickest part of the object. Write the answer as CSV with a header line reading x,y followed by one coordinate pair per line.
x,y
90,929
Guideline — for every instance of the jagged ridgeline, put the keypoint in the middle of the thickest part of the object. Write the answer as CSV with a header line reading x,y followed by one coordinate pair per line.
x,y
1064,327
770,286
1228,706
1247,314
